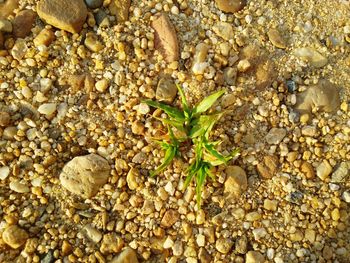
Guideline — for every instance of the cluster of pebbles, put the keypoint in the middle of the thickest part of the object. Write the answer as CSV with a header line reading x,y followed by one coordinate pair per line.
x,y
76,141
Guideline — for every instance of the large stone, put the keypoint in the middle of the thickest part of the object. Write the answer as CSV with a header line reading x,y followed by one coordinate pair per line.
x,y
170,217
341,173
128,255
165,37
166,90
230,6
14,236
236,181
120,8
23,23
323,97
63,14
312,56
275,135
268,168
84,175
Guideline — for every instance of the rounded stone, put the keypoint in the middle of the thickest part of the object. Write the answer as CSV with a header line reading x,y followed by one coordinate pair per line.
x,y
93,4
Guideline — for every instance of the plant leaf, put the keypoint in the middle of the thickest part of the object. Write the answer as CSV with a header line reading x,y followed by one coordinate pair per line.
x,y
206,103
173,113
187,111
210,148
190,173
168,157
200,179
203,125
178,125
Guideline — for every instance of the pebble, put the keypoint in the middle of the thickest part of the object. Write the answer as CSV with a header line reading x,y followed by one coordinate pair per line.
x,y
19,49
120,8
199,60
23,23
5,118
170,218
230,76
200,240
111,243
308,170
341,173
236,181
166,41
168,243
66,248
14,236
241,244
254,257
253,216
223,245
204,256
132,178
92,42
323,96
312,56
84,175
323,170
346,196
268,168
259,233
19,187
166,90
243,65
276,38
4,172
45,37
178,248
92,233
270,205
102,85
230,6
128,255
93,4
47,108
5,26
275,135
309,131
224,30
63,14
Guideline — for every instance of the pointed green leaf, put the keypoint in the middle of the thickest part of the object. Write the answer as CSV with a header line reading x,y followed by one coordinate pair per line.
x,y
173,113
206,103
168,157
203,125
176,124
214,153
187,111
190,173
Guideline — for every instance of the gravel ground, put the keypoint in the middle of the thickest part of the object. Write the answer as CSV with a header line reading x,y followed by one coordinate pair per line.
x,y
76,141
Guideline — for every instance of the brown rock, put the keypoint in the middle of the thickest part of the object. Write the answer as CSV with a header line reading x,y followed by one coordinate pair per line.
x,y
120,8
308,170
45,37
166,90
265,74
84,175
128,255
276,38
269,167
5,119
170,217
236,181
8,7
111,243
14,236
2,40
323,96
165,37
23,23
79,82
63,14
230,6
204,256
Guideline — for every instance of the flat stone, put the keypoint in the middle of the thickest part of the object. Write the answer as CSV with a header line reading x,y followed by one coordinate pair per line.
x,y
14,236
312,56
120,8
236,181
23,23
254,257
276,38
63,14
84,175
268,168
341,173
324,170
166,90
170,218
275,135
165,37
128,255
323,97
230,6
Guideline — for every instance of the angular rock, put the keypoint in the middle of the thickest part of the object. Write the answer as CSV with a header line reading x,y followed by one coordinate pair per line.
x,y
63,14
120,8
323,96
45,37
254,257
166,90
84,175
128,255
241,244
111,243
7,8
268,168
236,181
23,23
276,38
6,26
223,245
14,236
275,135
204,256
224,30
170,217
230,6
312,56
165,37
324,170
92,233
341,173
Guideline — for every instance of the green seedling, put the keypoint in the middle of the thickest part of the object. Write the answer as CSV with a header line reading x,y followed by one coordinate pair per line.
x,y
196,125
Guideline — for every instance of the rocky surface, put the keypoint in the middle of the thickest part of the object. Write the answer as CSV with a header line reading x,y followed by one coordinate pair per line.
x,y
63,14
77,142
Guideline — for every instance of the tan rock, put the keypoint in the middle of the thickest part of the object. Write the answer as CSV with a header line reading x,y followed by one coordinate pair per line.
x,y
236,181
5,118
63,14
120,8
170,217
276,38
128,255
166,90
254,257
268,168
111,243
230,6
224,30
92,42
265,74
14,236
45,37
165,37
312,56
308,170
23,23
323,97
84,175
8,7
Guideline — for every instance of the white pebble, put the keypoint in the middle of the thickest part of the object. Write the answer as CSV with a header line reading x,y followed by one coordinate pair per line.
x,y
346,196
168,243
200,240
47,108
19,187
4,172
170,188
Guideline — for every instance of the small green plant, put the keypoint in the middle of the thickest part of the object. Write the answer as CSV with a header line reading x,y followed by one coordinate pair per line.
x,y
196,125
